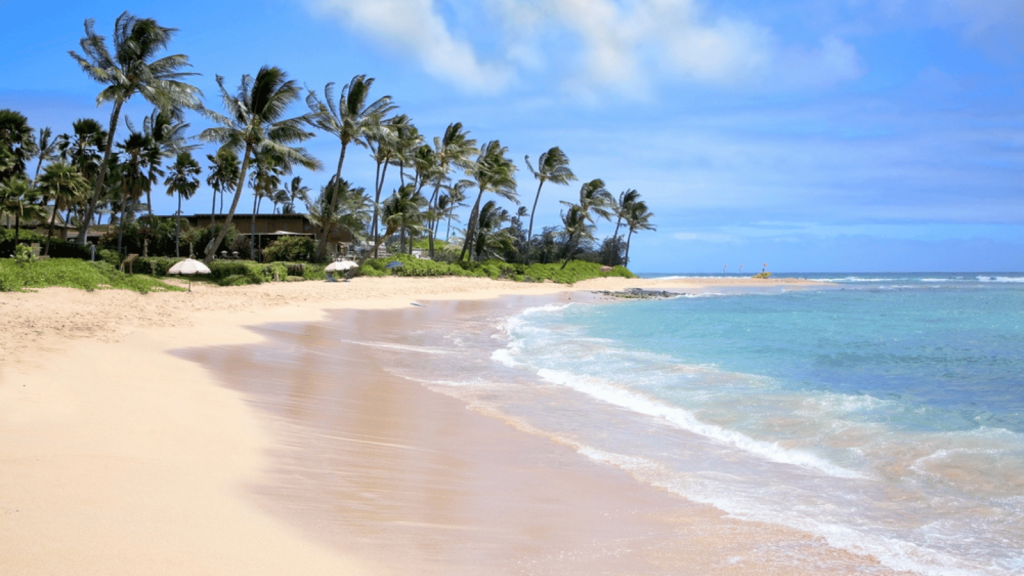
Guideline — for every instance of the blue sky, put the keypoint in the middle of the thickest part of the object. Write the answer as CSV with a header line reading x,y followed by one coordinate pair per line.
x,y
817,135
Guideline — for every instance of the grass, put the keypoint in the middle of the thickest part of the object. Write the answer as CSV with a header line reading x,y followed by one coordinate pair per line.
x,y
73,273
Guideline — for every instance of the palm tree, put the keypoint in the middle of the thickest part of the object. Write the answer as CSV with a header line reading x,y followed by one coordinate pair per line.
x,y
17,145
350,120
269,166
133,176
224,174
351,210
621,208
382,140
293,193
18,197
183,181
577,229
404,209
64,184
552,166
132,69
254,122
47,148
638,218
491,239
455,199
594,200
454,149
494,172
166,132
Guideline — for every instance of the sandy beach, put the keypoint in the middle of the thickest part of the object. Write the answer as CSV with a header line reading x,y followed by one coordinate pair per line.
x,y
133,441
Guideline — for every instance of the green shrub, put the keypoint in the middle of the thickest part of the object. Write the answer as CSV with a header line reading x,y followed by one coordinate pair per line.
x,y
73,273
289,249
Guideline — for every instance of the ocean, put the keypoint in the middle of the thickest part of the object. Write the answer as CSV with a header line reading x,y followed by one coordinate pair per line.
x,y
883,413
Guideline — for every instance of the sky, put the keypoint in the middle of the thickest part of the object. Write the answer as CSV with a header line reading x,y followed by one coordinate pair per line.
x,y
808,135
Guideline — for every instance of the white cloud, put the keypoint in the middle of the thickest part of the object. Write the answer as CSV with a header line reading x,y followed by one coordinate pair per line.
x,y
600,46
705,237
626,48
417,28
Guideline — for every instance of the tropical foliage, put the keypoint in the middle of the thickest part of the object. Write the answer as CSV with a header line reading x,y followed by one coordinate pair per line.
x,y
444,195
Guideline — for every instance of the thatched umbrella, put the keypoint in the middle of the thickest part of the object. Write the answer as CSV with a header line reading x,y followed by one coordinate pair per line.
x,y
189,267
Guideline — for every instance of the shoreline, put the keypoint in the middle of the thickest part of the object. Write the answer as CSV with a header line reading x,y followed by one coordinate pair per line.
x,y
97,429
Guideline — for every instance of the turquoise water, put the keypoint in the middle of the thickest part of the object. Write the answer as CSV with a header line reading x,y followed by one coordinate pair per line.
x,y
884,413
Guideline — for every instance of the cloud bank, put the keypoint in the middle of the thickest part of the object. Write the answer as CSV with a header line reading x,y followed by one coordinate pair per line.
x,y
597,47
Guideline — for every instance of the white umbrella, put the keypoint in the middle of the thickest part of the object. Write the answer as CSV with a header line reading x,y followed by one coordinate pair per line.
x,y
189,267
341,265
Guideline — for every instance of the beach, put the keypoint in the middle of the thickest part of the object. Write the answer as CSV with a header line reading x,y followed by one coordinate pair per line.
x,y
147,434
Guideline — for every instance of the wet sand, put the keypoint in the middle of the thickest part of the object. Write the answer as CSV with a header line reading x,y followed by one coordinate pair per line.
x,y
157,434
381,468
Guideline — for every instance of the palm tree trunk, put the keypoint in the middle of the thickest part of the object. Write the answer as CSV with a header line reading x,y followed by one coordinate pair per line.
x,y
211,248
115,114
628,238
529,232
467,244
213,207
49,232
434,220
17,227
252,226
321,243
120,222
376,200
177,230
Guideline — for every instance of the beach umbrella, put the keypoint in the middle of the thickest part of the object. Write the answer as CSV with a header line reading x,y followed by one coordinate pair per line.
x,y
340,266
189,267
394,264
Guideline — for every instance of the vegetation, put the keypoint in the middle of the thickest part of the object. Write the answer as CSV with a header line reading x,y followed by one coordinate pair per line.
x,y
91,176
19,274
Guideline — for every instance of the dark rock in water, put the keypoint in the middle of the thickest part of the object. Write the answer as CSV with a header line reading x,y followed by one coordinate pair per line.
x,y
640,293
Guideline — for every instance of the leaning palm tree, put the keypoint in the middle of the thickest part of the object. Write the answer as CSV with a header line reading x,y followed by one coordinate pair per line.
x,y
350,120
494,172
20,199
453,150
638,218
132,69
183,181
253,122
64,184
224,174
552,166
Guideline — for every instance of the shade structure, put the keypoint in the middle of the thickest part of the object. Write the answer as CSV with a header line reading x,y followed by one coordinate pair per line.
x,y
341,265
189,267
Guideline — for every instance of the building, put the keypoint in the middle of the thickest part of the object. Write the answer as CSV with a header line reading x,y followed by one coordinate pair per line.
x,y
270,227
